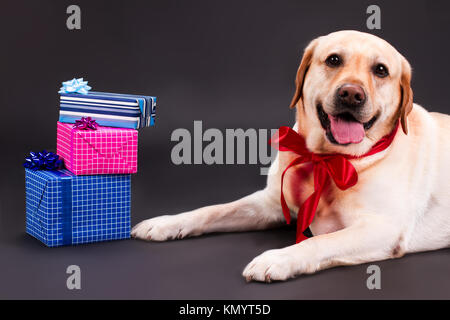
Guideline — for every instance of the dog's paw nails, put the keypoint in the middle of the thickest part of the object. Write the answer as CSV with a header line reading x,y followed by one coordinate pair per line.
x,y
159,229
140,230
273,265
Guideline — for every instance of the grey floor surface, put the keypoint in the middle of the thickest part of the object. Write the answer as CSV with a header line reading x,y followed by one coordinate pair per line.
x,y
207,267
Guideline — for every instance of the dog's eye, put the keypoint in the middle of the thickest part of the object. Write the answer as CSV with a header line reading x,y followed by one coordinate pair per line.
x,y
381,70
333,60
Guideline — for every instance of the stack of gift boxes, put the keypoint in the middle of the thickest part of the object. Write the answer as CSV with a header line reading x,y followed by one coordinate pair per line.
x,y
82,193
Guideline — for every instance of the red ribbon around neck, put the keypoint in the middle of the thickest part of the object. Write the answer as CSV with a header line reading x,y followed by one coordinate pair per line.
x,y
337,166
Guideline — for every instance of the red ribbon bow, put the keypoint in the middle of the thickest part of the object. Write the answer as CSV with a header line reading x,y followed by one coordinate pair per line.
x,y
337,166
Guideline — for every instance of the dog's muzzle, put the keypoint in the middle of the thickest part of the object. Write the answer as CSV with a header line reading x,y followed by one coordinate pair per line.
x,y
344,125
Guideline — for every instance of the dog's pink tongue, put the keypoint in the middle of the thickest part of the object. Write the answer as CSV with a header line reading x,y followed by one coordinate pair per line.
x,y
346,131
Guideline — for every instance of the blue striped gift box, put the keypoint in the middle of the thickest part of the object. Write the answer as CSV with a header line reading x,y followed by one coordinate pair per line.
x,y
65,209
109,109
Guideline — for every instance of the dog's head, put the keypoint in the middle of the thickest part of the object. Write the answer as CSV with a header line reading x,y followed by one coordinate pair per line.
x,y
351,89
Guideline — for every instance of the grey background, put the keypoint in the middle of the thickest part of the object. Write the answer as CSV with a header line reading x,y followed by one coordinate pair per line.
x,y
230,64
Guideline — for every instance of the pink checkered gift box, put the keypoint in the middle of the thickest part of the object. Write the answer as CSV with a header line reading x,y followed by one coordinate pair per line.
x,y
102,151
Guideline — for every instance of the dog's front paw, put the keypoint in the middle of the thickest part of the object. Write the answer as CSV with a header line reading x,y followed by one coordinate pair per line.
x,y
160,229
273,265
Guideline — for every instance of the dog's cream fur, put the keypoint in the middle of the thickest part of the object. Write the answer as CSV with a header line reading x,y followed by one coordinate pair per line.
x,y
401,203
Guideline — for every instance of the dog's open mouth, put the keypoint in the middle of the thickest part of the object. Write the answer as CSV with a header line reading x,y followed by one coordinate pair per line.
x,y
343,129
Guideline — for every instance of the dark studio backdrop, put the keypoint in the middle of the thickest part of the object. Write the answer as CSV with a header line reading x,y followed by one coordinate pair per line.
x,y
230,64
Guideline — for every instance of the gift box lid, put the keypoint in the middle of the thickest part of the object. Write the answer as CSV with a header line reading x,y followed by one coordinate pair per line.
x,y
108,107
51,175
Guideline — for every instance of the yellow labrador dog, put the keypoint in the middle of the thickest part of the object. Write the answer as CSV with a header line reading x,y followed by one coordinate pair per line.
x,y
352,89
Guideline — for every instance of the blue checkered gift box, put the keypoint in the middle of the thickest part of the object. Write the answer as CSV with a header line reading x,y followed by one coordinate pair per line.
x,y
64,209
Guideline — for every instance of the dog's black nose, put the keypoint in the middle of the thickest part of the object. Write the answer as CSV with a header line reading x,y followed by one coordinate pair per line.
x,y
351,94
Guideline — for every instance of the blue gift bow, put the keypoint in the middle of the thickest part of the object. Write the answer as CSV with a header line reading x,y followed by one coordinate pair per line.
x,y
75,86
43,161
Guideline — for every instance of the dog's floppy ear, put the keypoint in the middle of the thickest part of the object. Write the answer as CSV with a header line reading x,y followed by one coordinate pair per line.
x,y
301,73
406,100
